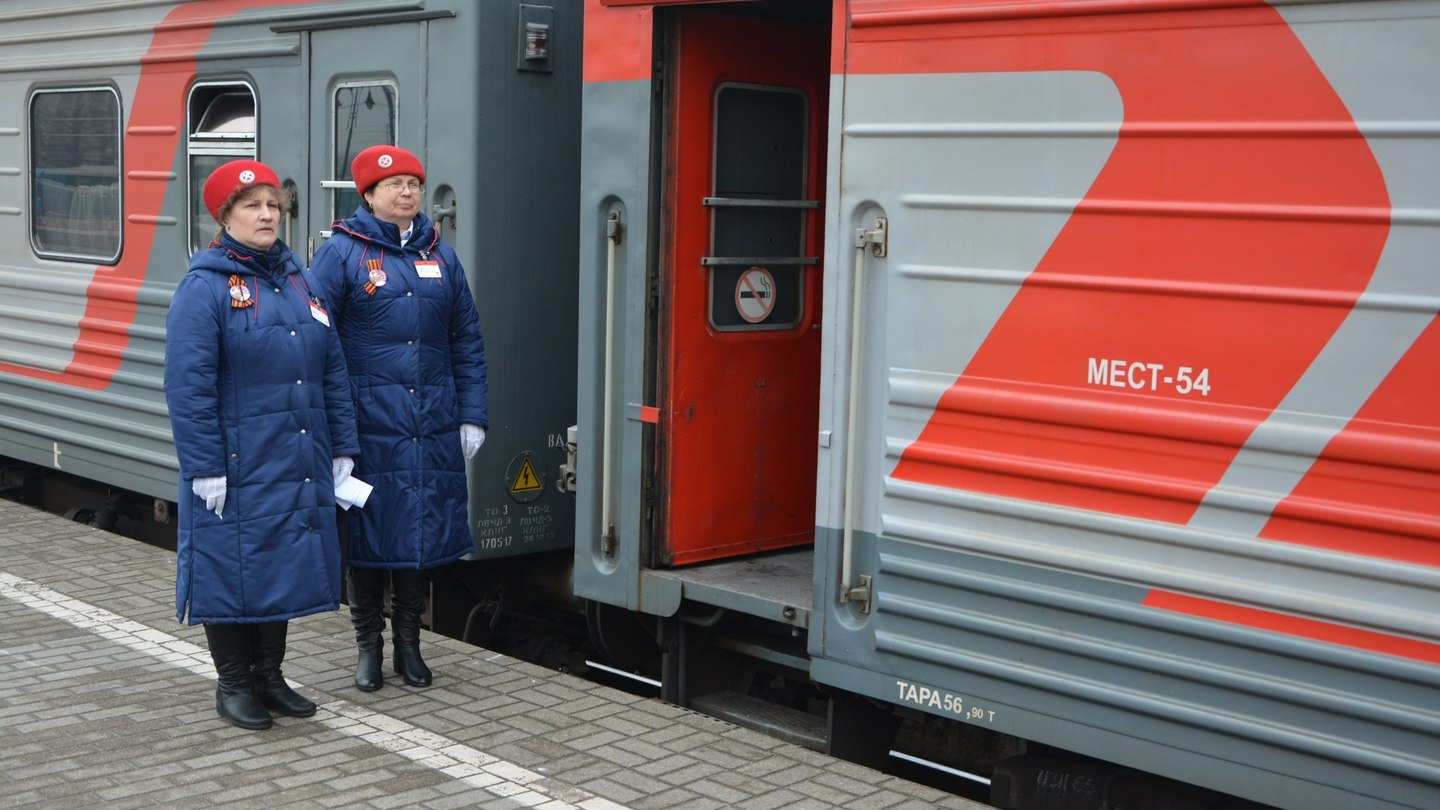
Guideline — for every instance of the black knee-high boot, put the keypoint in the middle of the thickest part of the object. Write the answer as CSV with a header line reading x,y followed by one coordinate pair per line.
x,y
366,591
268,651
235,698
407,603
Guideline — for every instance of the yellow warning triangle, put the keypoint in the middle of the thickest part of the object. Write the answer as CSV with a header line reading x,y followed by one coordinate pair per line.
x,y
527,480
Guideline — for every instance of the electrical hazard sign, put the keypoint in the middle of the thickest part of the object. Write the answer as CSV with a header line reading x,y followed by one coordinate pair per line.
x,y
523,478
526,480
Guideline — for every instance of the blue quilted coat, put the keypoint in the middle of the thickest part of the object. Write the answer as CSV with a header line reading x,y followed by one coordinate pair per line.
x,y
417,371
257,393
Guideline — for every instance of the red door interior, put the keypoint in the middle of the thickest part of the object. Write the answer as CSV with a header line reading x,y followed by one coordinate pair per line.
x,y
738,336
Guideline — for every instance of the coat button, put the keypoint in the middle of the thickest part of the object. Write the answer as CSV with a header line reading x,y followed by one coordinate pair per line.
x,y
302,431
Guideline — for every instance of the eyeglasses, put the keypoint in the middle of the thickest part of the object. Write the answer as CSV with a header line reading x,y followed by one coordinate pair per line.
x,y
397,185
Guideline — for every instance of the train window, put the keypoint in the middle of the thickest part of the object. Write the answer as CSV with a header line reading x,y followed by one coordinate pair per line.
x,y
75,173
365,114
758,211
222,126
230,114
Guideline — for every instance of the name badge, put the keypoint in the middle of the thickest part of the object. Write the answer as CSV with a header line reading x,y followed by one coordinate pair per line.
x,y
318,313
427,269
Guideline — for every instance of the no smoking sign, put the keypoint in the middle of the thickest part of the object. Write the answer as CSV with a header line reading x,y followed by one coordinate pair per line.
x,y
755,294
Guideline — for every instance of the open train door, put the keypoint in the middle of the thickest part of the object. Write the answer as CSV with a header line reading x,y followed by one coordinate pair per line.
x,y
739,281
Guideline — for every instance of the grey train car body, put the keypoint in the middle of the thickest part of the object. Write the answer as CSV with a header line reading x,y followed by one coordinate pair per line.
x,y
1060,371
1050,231
111,116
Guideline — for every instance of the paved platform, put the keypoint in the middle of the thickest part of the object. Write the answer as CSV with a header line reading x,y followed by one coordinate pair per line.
x,y
105,700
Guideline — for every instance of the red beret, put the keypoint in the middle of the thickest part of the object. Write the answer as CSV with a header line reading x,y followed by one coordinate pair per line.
x,y
235,174
381,161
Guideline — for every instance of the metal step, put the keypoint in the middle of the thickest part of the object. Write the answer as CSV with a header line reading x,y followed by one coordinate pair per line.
x,y
771,719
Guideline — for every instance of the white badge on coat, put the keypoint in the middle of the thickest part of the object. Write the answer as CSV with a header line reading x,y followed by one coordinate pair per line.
x,y
318,312
430,269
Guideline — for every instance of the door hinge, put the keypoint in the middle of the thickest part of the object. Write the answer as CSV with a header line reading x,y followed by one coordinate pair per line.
x,y
874,237
860,594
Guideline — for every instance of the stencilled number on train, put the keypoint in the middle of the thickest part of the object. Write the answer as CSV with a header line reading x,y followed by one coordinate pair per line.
x,y
1139,376
493,529
943,701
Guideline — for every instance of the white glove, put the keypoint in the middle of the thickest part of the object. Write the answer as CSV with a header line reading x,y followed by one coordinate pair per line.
x,y
340,468
213,491
471,437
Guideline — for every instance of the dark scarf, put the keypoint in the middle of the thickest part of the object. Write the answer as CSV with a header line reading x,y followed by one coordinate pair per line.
x,y
270,264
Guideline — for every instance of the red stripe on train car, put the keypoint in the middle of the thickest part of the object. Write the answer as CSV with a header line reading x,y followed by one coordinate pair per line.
x,y
152,136
1205,241
1373,491
1295,626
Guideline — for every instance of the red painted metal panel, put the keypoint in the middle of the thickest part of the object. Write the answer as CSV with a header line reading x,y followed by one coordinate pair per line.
x,y
617,43
739,410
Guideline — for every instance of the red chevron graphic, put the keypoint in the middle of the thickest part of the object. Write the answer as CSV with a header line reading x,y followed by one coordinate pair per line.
x,y
1238,218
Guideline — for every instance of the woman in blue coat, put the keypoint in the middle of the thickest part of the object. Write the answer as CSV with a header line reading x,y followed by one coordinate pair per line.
x,y
417,372
263,425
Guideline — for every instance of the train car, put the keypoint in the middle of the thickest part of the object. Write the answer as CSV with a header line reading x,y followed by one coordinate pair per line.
x,y
1021,383
1061,369
112,114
